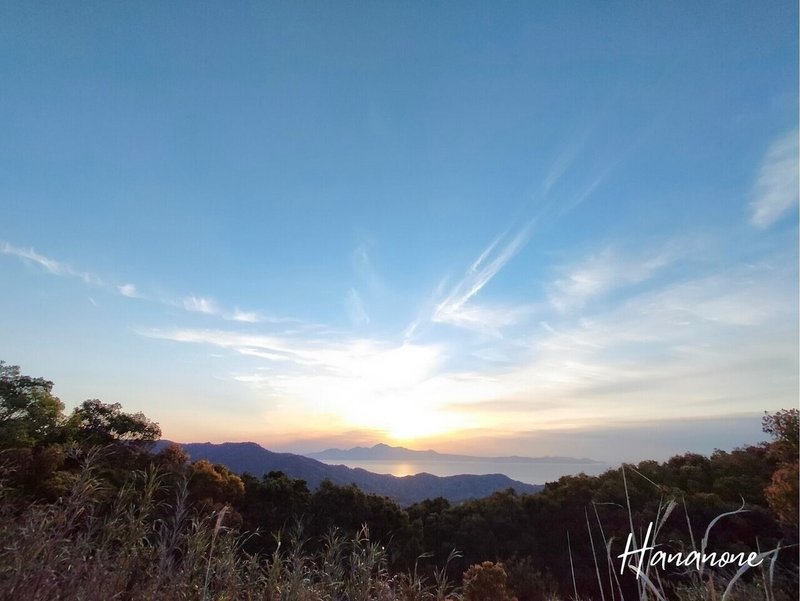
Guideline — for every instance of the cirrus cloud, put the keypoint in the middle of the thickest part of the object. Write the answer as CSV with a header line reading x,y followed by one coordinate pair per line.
x,y
776,190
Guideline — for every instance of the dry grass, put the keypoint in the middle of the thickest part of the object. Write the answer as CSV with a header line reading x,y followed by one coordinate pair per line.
x,y
89,547
705,584
146,543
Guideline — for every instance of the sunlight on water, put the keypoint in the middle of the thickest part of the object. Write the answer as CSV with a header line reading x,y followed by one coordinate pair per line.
x,y
531,473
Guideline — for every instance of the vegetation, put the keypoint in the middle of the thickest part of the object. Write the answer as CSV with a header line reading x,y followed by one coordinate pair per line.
x,y
88,511
782,492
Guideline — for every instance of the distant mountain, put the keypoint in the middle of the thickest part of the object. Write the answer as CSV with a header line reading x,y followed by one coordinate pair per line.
x,y
384,452
249,457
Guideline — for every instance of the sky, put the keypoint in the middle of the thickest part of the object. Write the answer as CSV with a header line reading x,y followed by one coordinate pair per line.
x,y
486,228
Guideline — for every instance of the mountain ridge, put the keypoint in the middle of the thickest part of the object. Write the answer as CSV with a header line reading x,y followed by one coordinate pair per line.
x,y
241,457
382,451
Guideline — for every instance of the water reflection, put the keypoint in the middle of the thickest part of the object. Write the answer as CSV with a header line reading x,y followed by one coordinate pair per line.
x,y
531,473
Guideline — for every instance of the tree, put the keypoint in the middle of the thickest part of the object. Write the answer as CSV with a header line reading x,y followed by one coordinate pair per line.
x,y
172,457
29,412
274,502
784,427
100,423
783,491
212,486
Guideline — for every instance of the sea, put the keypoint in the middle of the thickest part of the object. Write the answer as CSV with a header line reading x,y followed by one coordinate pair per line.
x,y
530,473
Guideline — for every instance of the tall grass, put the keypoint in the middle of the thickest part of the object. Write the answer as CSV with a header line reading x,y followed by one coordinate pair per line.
x,y
685,584
145,542
92,545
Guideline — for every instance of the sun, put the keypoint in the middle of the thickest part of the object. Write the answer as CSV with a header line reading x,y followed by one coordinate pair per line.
x,y
410,425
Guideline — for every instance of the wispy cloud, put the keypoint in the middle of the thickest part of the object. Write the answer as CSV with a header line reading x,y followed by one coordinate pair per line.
x,y
776,189
245,316
707,344
426,310
209,306
565,159
345,357
601,273
697,345
128,290
200,304
455,308
577,141
603,171
51,265
194,304
486,319
367,383
365,269
355,308
62,269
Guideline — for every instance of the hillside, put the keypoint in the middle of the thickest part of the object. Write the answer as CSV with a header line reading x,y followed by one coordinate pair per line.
x,y
250,457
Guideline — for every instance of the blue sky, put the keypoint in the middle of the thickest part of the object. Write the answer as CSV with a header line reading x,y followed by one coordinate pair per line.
x,y
479,227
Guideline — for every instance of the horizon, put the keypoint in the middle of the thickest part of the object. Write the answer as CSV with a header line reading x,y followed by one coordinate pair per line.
x,y
659,455
376,445
517,230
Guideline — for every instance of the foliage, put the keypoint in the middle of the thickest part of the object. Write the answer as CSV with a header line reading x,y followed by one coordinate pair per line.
x,y
529,581
31,415
213,486
486,582
783,491
784,428
29,412
98,423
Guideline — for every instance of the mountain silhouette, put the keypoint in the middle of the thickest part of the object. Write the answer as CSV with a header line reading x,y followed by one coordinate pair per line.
x,y
388,453
250,457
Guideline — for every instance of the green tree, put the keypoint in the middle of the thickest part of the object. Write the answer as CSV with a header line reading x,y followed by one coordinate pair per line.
x,y
213,485
29,412
274,502
100,423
